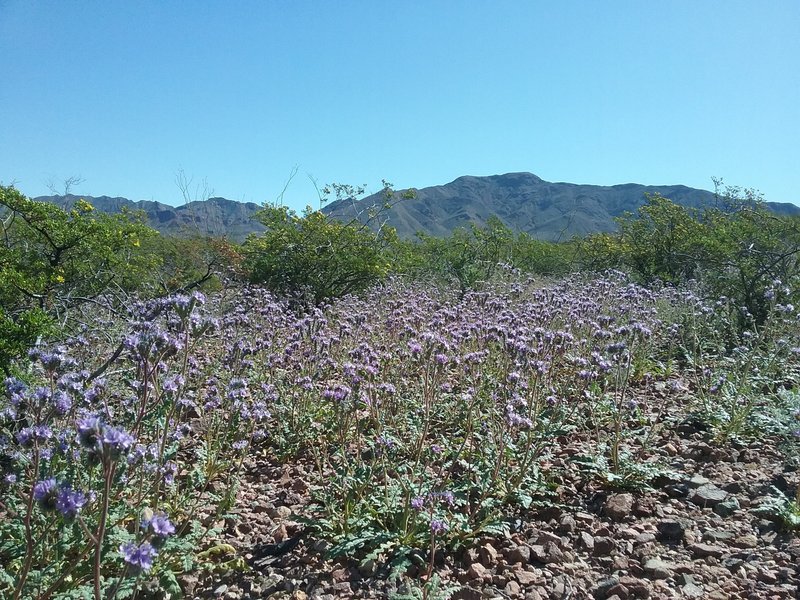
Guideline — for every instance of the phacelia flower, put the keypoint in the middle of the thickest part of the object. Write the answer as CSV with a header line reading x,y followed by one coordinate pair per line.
x,y
439,526
69,502
138,558
45,493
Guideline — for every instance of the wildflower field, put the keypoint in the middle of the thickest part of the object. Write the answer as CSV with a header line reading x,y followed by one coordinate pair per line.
x,y
584,437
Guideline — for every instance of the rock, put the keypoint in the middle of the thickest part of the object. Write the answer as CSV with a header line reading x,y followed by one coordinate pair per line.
x,y
342,588
488,555
692,590
519,554
602,590
745,541
618,506
467,593
704,550
731,563
188,583
718,535
657,568
220,590
567,524
525,577
553,554
708,495
586,540
280,512
638,588
768,577
727,507
368,568
619,591
603,546
698,480
476,571
671,531
512,588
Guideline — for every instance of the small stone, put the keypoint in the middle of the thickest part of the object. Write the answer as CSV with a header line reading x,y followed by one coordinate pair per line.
x,y
727,507
657,568
718,535
476,571
692,590
586,540
708,496
280,512
619,591
671,530
512,588
567,524
220,590
618,506
704,550
488,555
638,588
732,564
745,541
538,553
519,554
553,553
467,593
768,577
603,546
525,577
698,480
602,589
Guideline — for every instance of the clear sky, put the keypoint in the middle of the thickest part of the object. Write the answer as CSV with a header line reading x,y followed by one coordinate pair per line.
x,y
127,94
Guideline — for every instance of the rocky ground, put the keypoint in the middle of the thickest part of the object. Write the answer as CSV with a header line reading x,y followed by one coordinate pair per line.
x,y
695,534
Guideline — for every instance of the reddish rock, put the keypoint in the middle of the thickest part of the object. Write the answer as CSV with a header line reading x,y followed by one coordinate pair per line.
x,y
618,506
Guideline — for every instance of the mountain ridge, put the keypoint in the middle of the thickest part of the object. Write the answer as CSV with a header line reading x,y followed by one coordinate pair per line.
x,y
522,200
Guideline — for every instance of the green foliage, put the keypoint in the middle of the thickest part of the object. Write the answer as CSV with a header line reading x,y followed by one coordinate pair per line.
x,y
315,258
469,257
737,249
186,263
52,260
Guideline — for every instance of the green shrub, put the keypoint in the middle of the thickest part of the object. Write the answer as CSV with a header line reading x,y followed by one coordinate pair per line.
x,y
313,257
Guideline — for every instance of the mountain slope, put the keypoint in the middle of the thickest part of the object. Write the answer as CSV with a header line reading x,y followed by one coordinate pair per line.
x,y
216,217
526,203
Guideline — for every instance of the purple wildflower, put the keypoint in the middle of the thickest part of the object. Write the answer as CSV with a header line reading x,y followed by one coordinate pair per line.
x,y
117,440
439,526
89,431
69,502
45,494
139,558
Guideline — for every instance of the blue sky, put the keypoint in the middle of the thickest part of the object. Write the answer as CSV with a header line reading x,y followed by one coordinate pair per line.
x,y
238,94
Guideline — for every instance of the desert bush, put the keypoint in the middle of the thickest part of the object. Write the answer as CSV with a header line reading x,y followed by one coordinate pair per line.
x,y
52,260
736,249
313,257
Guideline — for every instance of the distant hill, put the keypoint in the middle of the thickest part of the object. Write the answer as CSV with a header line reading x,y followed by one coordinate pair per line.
x,y
216,217
525,202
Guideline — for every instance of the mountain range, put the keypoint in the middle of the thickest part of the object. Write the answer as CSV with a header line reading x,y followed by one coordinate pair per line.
x,y
523,201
